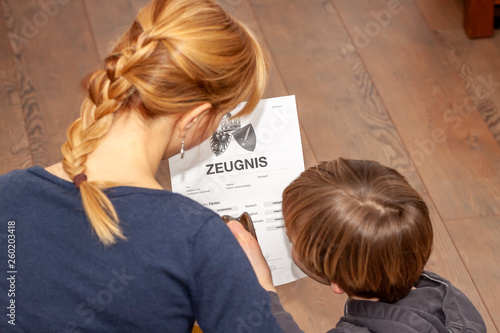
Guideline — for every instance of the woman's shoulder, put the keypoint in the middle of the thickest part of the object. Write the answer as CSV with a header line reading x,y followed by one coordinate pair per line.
x,y
163,203
197,217
18,177
164,211
16,173
188,211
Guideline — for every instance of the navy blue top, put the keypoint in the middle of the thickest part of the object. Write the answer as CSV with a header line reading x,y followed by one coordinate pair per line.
x,y
179,263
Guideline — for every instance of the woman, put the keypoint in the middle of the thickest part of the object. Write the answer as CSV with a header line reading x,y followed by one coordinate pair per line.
x,y
100,246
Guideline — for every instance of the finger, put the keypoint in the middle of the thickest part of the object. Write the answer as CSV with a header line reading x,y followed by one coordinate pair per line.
x,y
237,229
246,240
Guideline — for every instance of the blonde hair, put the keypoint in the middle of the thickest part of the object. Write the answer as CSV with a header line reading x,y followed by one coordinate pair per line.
x,y
360,225
177,55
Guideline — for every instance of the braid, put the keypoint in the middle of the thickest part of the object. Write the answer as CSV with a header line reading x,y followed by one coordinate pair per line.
x,y
97,112
177,55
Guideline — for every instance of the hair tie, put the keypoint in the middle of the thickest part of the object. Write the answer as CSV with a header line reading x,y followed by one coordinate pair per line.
x,y
79,179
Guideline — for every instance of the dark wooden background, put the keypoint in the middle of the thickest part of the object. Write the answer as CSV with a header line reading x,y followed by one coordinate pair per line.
x,y
394,81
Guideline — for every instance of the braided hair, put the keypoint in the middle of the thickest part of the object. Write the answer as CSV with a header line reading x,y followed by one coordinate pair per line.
x,y
177,55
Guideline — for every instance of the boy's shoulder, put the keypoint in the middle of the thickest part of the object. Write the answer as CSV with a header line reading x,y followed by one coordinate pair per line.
x,y
461,315
345,327
446,309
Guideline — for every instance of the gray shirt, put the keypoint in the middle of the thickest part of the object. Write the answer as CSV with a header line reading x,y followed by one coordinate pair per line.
x,y
434,306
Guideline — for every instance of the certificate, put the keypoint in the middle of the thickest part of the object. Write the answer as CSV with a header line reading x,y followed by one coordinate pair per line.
x,y
244,167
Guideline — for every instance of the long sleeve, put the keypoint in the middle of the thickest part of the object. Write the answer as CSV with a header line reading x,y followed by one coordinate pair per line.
x,y
227,295
284,319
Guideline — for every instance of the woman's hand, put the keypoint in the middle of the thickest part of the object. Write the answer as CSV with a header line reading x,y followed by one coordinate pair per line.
x,y
252,249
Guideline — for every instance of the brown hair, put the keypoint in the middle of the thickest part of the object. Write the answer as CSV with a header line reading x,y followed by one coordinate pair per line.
x,y
177,55
360,225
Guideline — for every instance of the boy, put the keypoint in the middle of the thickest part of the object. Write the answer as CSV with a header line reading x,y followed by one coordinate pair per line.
x,y
361,228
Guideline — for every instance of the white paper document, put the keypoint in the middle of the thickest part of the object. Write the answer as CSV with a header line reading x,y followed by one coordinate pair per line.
x,y
244,167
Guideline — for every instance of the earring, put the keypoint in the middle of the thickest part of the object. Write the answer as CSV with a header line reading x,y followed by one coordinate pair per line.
x,y
182,148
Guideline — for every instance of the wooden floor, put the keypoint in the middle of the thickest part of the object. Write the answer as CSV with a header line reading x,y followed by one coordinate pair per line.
x,y
394,81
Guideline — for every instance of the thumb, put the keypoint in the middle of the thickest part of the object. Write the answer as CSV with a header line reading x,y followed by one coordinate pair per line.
x,y
238,230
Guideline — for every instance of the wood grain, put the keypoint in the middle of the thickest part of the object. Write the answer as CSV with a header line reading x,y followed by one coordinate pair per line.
x,y
475,61
443,14
314,306
14,146
336,98
482,261
479,69
19,37
47,39
109,19
455,154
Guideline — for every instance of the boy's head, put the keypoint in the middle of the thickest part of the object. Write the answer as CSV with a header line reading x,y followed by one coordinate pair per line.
x,y
359,225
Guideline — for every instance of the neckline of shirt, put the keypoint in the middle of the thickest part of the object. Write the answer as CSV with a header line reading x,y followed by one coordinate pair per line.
x,y
116,190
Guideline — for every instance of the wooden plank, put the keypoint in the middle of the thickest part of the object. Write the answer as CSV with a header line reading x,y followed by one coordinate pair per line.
x,y
343,115
475,61
53,50
443,14
14,145
478,65
109,19
336,99
478,18
477,243
450,144
313,306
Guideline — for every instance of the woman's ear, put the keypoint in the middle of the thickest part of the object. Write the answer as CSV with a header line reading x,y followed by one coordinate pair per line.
x,y
336,288
192,117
